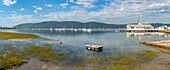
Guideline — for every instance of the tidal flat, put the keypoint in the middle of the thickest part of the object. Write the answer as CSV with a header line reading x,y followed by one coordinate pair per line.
x,y
17,50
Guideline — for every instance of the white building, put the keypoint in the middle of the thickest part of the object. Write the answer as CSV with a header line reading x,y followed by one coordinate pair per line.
x,y
139,27
164,27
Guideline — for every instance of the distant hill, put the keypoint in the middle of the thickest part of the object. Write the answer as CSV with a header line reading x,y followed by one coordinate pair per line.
x,y
75,24
69,24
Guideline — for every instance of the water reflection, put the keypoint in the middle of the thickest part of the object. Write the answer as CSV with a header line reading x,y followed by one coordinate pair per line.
x,y
144,35
97,51
64,32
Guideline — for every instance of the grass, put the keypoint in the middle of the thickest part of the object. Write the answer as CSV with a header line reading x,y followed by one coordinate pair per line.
x,y
9,35
168,53
11,60
121,61
121,67
16,56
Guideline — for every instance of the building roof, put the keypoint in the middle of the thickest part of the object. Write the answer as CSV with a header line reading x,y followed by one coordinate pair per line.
x,y
164,26
140,25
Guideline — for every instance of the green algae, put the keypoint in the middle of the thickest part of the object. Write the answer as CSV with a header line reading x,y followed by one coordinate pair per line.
x,y
120,62
9,35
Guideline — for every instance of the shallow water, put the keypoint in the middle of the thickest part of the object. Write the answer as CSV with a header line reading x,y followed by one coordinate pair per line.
x,y
113,42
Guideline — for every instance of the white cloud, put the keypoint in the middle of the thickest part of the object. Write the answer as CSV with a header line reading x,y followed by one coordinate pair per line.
x,y
19,18
76,7
35,11
71,0
37,8
126,11
64,5
9,2
121,11
1,11
86,3
21,9
48,5
113,4
14,11
87,0
66,16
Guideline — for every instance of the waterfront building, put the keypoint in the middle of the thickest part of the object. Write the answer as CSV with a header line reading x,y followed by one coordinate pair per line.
x,y
163,27
140,27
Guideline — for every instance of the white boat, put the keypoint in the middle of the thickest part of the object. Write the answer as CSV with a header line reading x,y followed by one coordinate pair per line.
x,y
71,29
51,29
94,47
83,29
56,29
89,30
60,29
75,29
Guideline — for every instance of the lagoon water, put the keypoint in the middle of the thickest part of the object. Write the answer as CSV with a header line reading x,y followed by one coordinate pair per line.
x,y
113,42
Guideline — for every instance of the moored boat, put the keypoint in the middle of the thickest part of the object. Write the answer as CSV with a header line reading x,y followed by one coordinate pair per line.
x,y
94,47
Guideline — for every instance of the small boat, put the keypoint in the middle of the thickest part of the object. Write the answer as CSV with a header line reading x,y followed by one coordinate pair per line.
x,y
94,47
75,29
83,29
89,30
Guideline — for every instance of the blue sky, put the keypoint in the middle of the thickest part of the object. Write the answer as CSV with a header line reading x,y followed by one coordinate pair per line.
x,y
14,12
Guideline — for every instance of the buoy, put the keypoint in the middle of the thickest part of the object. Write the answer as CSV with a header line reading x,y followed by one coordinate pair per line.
x,y
60,42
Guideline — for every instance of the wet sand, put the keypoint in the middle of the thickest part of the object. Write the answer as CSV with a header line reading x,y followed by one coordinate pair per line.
x,y
35,64
162,62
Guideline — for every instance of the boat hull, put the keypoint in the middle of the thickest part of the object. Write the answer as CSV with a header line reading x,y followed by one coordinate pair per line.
x,y
94,47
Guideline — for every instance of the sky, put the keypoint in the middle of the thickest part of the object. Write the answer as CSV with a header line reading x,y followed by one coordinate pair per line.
x,y
14,12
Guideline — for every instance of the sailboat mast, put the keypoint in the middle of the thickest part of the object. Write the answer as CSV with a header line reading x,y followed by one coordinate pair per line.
x,y
139,19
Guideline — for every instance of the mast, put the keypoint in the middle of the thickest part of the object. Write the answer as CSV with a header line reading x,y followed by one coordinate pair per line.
x,y
139,18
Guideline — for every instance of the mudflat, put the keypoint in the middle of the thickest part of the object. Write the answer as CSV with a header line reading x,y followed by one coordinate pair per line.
x,y
162,62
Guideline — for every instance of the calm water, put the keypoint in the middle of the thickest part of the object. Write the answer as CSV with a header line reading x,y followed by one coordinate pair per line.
x,y
113,42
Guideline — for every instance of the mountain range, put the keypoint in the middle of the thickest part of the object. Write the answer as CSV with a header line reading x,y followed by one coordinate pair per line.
x,y
75,24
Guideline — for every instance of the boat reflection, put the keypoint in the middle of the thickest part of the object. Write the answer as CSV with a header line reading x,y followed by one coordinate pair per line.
x,y
97,51
144,35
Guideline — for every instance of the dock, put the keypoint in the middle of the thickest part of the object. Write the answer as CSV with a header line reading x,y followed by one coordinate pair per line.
x,y
159,43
